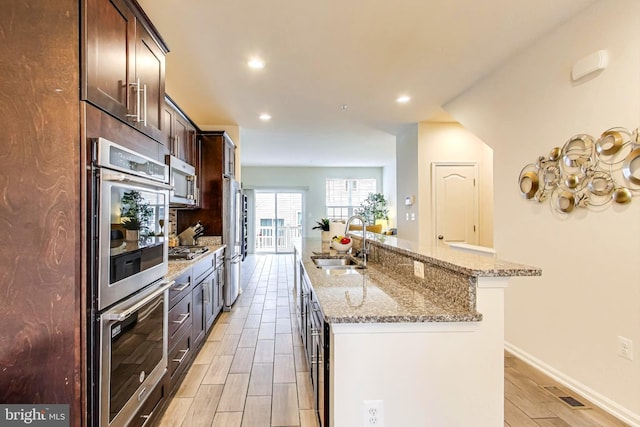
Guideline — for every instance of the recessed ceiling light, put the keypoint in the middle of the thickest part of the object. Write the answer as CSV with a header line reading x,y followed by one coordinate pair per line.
x,y
403,99
344,107
256,63
265,117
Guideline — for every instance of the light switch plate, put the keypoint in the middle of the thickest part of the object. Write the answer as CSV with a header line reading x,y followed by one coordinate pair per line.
x,y
418,269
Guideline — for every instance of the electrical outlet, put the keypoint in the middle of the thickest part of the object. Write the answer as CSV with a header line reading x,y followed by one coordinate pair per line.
x,y
418,269
625,348
373,413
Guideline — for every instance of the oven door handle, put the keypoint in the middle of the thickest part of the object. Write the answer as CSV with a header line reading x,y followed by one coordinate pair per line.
x,y
120,177
120,316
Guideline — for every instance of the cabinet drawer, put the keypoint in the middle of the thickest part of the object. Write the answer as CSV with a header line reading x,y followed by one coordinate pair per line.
x,y
203,267
181,288
179,319
148,413
179,357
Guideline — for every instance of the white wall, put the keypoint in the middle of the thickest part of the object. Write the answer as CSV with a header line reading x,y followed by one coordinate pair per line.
x,y
416,149
389,184
451,142
589,293
407,178
311,180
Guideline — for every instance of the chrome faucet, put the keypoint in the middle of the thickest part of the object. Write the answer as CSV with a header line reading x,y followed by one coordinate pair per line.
x,y
365,249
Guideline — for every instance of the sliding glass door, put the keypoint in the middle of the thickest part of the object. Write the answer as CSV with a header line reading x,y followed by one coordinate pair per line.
x,y
278,220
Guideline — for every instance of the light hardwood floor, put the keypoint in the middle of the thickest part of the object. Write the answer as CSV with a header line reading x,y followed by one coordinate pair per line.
x,y
252,370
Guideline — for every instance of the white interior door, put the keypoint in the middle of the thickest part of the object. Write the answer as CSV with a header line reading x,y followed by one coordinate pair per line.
x,y
455,198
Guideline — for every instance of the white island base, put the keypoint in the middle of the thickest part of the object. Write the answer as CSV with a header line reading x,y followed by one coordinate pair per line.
x,y
432,374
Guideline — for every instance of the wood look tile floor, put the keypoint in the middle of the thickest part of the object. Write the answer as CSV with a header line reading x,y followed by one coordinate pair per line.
x,y
252,371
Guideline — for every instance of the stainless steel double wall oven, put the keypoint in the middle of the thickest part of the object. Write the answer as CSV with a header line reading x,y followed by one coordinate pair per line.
x,y
127,298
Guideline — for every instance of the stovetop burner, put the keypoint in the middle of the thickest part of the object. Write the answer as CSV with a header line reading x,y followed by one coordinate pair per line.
x,y
186,252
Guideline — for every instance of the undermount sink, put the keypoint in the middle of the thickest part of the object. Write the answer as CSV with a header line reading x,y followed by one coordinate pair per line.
x,y
341,263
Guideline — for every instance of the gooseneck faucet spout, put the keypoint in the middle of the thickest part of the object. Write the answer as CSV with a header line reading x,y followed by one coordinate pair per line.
x,y
365,248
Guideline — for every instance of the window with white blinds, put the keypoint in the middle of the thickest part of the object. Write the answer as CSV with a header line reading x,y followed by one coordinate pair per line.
x,y
343,195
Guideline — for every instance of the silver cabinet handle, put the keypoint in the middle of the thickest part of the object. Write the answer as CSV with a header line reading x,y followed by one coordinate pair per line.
x,y
205,293
136,116
184,316
146,418
184,355
120,316
181,287
144,103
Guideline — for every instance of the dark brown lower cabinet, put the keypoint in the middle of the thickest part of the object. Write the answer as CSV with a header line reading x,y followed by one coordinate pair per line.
x,y
180,356
315,335
198,325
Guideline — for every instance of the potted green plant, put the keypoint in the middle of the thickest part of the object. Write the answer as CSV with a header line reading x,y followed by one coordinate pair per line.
x,y
373,207
135,214
323,225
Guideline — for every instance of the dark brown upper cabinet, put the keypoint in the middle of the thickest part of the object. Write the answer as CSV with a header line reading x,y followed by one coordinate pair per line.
x,y
124,70
179,134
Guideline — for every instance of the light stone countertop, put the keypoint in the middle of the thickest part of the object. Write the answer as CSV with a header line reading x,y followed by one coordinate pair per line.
x,y
376,296
385,295
178,266
459,260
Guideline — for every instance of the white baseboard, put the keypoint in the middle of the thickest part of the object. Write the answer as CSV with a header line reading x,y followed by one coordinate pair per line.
x,y
593,396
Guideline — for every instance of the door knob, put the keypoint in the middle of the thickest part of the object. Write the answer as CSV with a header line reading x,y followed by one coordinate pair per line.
x,y
440,237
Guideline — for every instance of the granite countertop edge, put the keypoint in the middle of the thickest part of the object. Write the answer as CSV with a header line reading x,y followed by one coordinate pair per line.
x,y
391,292
179,266
466,263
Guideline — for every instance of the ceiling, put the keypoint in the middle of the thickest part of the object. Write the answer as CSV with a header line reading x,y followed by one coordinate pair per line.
x,y
321,55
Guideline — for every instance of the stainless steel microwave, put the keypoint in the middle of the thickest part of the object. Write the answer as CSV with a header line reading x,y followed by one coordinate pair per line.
x,y
182,177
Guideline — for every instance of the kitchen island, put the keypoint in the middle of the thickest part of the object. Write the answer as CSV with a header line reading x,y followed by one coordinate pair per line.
x,y
430,348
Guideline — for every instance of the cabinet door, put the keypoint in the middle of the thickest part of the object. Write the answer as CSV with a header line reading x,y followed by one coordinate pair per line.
x,y
181,138
229,158
208,301
215,296
220,290
150,66
109,69
167,129
198,325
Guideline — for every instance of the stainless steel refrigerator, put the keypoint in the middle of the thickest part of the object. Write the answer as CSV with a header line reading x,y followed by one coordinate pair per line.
x,y
232,236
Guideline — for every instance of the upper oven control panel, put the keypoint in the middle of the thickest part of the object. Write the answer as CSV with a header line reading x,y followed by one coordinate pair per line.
x,y
113,156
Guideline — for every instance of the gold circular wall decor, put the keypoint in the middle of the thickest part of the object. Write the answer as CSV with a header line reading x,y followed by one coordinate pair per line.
x,y
631,167
622,196
586,172
609,143
600,184
550,175
572,181
565,202
529,184
577,151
